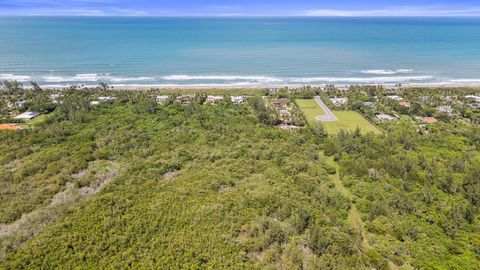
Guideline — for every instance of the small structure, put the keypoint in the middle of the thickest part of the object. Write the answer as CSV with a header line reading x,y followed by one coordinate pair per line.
x,y
445,109
368,104
185,99
405,104
94,103
285,114
27,115
162,99
54,98
273,90
384,117
213,99
425,98
449,98
395,97
280,103
428,120
339,101
288,127
237,100
106,99
20,103
9,127
476,98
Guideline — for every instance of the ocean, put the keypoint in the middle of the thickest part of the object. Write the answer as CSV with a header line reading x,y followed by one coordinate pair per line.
x,y
130,51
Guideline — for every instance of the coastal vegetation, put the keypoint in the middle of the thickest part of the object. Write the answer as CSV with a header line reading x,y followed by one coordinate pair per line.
x,y
130,183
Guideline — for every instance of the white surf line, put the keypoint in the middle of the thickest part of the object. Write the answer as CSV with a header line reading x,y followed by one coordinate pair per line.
x,y
328,116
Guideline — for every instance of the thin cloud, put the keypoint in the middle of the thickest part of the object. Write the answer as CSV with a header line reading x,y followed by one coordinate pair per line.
x,y
395,11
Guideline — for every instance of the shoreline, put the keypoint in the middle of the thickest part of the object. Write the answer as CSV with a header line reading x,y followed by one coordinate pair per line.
x,y
260,86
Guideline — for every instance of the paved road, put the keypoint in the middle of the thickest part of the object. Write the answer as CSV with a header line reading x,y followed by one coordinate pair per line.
x,y
328,116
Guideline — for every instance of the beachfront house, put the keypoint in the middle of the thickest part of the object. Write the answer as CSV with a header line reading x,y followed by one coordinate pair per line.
x,y
384,117
472,97
280,103
339,101
106,99
395,97
213,99
237,100
185,99
162,99
54,98
445,109
273,90
27,115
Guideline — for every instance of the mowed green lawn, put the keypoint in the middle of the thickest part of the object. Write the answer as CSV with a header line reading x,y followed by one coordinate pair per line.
x,y
310,108
347,120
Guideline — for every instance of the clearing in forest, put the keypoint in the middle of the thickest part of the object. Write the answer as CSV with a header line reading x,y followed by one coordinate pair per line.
x,y
346,120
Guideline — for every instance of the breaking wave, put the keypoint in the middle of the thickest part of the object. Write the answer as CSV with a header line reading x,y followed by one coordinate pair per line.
x,y
93,77
386,71
12,77
221,78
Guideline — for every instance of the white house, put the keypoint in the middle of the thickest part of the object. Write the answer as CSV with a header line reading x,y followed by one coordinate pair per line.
x,y
445,109
238,100
95,102
27,115
20,103
213,99
339,101
384,117
476,98
54,98
395,97
105,99
162,99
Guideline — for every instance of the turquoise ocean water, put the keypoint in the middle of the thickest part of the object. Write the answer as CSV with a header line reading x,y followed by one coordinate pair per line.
x,y
58,51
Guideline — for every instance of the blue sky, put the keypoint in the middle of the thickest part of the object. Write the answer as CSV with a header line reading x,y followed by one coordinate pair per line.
x,y
242,7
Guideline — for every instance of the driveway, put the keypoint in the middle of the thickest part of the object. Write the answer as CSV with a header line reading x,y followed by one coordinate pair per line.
x,y
328,116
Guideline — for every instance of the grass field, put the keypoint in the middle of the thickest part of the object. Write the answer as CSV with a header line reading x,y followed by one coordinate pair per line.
x,y
310,108
347,120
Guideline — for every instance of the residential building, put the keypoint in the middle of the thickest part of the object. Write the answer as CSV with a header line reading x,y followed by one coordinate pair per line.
x,y
395,97
476,98
20,103
9,127
280,103
428,120
185,99
213,99
27,115
339,101
105,99
238,100
445,109
384,117
406,104
54,98
162,99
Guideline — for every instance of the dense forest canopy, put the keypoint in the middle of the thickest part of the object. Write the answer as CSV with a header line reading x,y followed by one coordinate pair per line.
x,y
135,184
